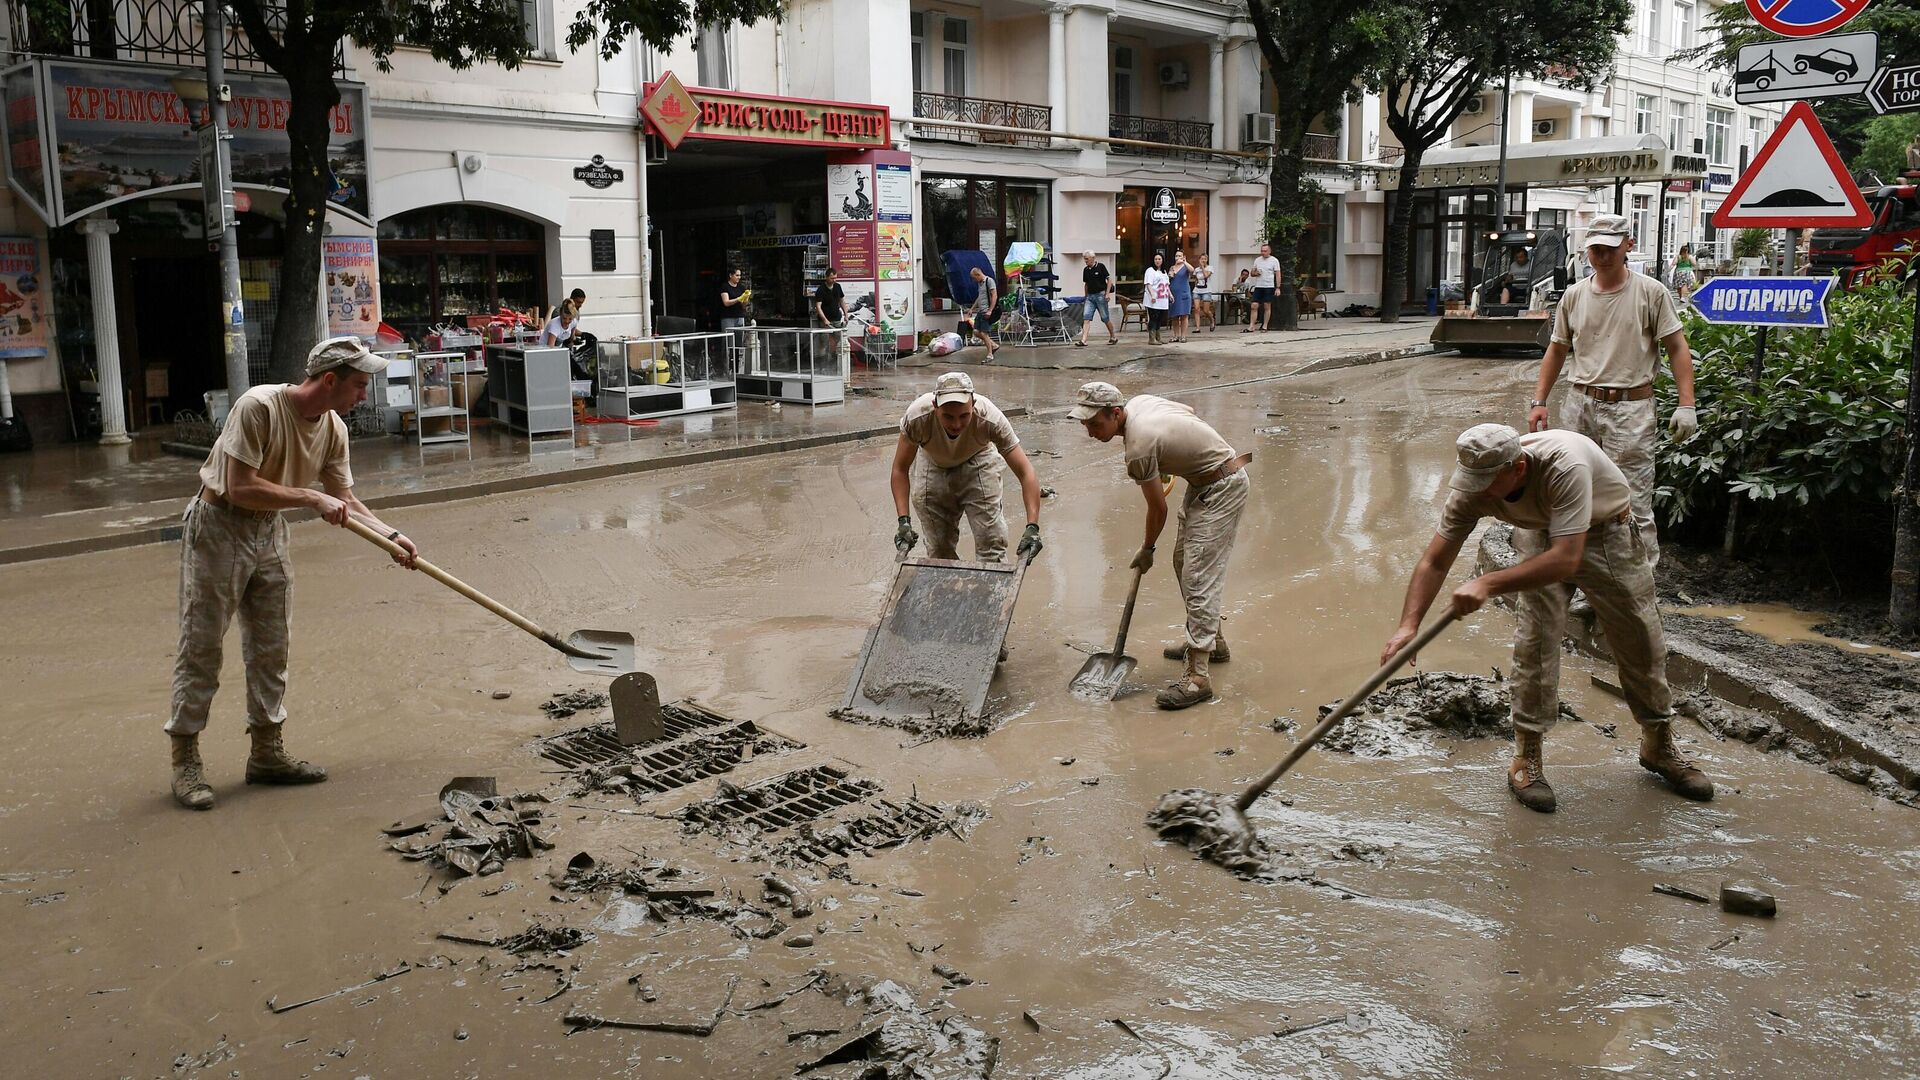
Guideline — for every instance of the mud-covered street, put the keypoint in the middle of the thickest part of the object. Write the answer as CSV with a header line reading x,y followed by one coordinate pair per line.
x,y
1027,921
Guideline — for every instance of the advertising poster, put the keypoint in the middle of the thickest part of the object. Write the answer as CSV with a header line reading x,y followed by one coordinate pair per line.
x,y
23,311
895,256
353,299
850,249
896,309
849,194
894,192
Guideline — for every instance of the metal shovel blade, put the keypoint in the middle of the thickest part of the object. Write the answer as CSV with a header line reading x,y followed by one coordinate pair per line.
x,y
1102,676
615,652
636,709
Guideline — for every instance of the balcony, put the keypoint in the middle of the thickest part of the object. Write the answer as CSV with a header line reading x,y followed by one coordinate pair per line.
x,y
161,32
1173,135
1322,147
930,109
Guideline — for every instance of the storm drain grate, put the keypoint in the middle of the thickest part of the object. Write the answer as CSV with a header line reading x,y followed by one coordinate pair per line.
x,y
889,825
786,800
827,813
680,764
596,744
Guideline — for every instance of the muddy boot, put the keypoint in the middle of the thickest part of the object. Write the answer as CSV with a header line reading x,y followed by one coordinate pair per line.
x,y
1658,755
189,777
1194,688
269,763
1219,655
1526,777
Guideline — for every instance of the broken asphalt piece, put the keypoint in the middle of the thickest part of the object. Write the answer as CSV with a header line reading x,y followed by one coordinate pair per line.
x,y
1684,894
901,1040
799,941
953,975
407,827
1740,898
573,701
274,1007
677,1025
788,893
482,831
484,786
502,695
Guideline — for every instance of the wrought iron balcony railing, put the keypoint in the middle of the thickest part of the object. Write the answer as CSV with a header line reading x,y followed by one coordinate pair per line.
x,y
165,32
1173,134
928,109
1323,147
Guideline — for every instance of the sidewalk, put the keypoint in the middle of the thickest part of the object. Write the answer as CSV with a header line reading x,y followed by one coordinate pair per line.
x,y
75,498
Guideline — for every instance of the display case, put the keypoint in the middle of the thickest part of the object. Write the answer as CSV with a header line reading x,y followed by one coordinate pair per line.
x,y
531,388
806,367
650,377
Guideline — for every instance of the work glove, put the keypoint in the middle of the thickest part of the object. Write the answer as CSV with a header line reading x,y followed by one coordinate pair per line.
x,y
904,538
1143,559
1683,423
1029,543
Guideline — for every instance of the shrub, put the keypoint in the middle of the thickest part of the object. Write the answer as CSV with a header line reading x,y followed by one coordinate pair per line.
x,y
1813,451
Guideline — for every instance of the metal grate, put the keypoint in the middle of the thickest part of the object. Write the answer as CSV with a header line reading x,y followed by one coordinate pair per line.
x,y
830,815
784,801
680,764
889,825
596,744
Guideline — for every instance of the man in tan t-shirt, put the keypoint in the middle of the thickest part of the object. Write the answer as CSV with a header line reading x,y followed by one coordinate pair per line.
x,y
1614,323
1165,439
277,440
1570,509
960,439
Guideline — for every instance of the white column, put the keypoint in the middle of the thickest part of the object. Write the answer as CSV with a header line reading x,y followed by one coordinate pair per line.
x,y
1576,120
106,330
1521,116
1217,90
1057,63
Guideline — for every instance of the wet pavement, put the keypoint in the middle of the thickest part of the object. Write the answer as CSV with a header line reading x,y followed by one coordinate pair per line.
x,y
1448,932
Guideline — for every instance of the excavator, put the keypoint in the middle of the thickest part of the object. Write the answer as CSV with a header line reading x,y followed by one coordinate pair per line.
x,y
1512,307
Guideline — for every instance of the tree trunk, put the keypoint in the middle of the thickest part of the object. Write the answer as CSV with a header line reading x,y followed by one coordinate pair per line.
x,y
309,123
1288,201
1398,253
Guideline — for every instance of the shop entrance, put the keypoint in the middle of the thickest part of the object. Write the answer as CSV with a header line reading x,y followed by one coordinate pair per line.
x,y
177,339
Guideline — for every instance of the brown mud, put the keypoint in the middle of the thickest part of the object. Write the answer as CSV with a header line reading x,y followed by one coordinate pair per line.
x,y
1403,718
1456,934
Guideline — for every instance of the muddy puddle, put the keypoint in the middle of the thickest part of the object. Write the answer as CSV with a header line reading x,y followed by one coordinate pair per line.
x,y
1419,715
1785,625
1452,933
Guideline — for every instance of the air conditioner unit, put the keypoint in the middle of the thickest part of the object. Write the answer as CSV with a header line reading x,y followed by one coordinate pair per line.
x,y
1545,127
1476,106
1256,129
1174,73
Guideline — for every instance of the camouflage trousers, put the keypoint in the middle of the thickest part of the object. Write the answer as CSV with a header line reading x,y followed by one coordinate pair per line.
x,y
1209,518
970,489
1628,432
231,562
1617,577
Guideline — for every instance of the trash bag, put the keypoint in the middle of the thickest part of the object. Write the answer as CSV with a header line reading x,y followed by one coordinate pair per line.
x,y
945,344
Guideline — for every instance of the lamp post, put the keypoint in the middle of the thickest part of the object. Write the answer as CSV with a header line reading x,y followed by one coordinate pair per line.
x,y
211,91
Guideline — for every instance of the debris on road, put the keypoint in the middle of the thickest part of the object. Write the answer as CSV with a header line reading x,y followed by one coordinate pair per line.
x,y
1684,894
1399,719
566,704
276,1008
899,1040
482,831
1740,898
1208,823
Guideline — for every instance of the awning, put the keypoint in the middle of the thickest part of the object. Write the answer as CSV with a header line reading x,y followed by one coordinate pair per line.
x,y
1562,163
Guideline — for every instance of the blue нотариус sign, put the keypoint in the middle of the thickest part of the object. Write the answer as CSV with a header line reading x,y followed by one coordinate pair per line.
x,y
1764,301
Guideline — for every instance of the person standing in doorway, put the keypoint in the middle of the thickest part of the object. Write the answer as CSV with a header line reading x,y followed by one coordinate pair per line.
x,y
1614,323
830,302
1165,439
1098,283
985,309
733,301
1203,296
1156,295
1180,286
1266,278
233,554
961,440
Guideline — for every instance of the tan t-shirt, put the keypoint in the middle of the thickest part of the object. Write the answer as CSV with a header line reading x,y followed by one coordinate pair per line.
x,y
922,428
1165,438
1615,336
1571,486
265,432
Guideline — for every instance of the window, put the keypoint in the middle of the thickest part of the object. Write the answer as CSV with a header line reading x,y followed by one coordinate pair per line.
x,y
713,50
1682,27
1642,211
1670,214
919,23
1122,79
954,51
1756,137
1644,117
1679,126
1719,135
450,261
1544,220
1650,27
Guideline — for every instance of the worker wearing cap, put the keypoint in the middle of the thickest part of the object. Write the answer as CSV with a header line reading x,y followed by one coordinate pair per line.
x,y
960,438
277,440
1573,526
1165,439
1614,323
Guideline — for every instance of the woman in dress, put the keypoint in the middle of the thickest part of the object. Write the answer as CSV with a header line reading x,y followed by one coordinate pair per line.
x,y
1180,281
1683,279
1156,297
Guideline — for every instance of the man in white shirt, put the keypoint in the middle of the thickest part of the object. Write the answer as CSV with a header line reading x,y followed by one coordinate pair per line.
x,y
1266,279
960,439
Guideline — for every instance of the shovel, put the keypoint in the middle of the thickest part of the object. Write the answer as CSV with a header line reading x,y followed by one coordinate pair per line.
x,y
595,652
1103,674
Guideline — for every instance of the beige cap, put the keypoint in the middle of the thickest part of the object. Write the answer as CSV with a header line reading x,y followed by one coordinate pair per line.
x,y
953,386
1608,230
343,351
1484,450
1095,396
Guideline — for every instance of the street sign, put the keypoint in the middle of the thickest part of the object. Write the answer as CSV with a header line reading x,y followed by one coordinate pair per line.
x,y
216,191
1895,89
1764,301
1807,68
1804,18
1796,181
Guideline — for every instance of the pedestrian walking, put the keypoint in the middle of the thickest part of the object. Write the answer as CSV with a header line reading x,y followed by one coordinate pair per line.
x,y
1098,283
277,440
1180,300
1573,526
1683,276
961,440
984,312
1164,439
1615,323
1266,278
1204,312
1156,295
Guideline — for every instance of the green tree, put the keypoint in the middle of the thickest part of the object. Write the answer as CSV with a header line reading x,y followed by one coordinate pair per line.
x,y
1461,46
1884,151
299,40
1320,55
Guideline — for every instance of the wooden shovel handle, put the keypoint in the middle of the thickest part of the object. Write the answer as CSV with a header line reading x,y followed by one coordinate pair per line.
x,y
466,590
1126,616
1352,702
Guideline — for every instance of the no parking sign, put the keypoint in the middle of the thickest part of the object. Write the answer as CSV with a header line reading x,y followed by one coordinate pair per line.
x,y
1804,18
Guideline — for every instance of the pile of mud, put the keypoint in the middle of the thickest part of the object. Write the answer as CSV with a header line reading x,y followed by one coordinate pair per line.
x,y
1402,718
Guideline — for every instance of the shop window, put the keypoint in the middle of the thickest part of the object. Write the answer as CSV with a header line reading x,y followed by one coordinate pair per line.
x,y
1319,245
976,214
444,263
1141,237
713,49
